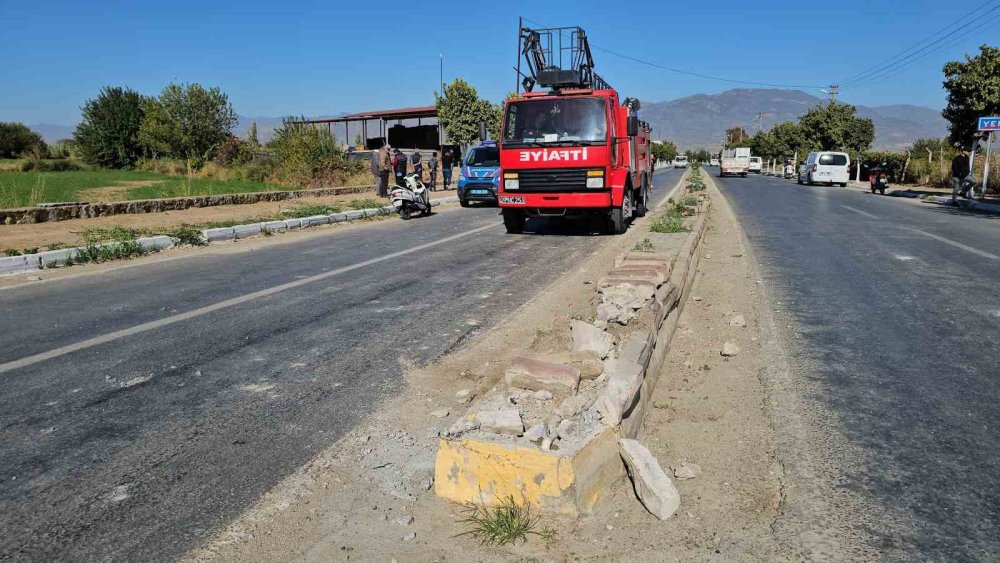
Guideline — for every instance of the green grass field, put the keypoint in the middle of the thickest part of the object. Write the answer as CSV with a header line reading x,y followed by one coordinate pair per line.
x,y
21,189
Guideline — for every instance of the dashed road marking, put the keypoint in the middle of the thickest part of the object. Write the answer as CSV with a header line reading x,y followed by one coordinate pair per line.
x,y
956,244
865,213
201,311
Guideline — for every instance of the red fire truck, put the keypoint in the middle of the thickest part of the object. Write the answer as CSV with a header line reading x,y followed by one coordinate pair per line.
x,y
576,150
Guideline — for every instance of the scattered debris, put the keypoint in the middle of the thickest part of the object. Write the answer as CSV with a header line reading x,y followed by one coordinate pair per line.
x,y
686,471
410,536
738,321
730,349
652,486
440,413
536,433
404,520
463,396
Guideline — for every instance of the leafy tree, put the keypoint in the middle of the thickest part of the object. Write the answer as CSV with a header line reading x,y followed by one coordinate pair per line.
x,y
16,139
973,91
187,122
700,155
788,139
108,133
835,127
762,144
460,110
304,151
737,137
663,150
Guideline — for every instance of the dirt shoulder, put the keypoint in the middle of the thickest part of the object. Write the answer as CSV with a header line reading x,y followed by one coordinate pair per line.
x,y
69,233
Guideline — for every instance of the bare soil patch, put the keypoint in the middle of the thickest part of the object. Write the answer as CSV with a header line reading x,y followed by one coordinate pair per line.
x,y
114,193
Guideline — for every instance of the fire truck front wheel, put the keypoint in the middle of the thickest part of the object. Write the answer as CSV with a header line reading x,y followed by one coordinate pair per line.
x,y
513,220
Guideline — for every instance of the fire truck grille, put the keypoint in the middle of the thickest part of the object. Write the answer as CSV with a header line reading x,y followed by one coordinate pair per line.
x,y
553,180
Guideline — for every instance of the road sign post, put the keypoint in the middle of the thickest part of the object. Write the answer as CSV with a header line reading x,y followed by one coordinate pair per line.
x,y
990,125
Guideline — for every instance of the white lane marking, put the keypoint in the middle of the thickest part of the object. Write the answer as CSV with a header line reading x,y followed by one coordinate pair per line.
x,y
865,213
964,247
144,327
904,258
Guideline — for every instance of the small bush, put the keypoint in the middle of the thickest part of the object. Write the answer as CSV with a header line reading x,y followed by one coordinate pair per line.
x,y
106,252
60,165
167,166
669,224
644,245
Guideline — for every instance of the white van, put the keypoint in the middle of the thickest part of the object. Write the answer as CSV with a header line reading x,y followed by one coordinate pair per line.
x,y
756,164
680,161
826,168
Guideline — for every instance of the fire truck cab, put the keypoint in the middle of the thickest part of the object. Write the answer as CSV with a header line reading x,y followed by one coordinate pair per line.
x,y
574,151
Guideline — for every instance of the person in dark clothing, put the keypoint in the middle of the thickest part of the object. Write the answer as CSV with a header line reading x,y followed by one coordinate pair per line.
x,y
446,162
399,165
418,166
432,167
960,170
384,170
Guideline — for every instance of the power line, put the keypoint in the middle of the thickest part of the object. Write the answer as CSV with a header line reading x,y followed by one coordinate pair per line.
x,y
921,46
685,72
904,63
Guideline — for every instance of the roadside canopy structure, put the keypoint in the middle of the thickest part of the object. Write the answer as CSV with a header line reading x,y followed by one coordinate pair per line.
x,y
406,128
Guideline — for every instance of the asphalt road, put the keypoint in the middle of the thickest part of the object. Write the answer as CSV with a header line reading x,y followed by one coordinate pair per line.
x,y
143,408
896,306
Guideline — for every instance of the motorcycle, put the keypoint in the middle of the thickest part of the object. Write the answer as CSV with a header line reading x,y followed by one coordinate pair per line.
x,y
878,180
410,198
789,171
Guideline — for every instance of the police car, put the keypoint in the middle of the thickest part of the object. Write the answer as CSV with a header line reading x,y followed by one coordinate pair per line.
x,y
479,178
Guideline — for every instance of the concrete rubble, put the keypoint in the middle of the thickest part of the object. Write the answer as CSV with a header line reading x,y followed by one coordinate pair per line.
x,y
536,374
730,349
686,471
507,421
588,338
652,486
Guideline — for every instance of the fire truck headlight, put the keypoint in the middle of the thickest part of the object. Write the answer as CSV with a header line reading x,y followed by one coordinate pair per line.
x,y
510,181
595,179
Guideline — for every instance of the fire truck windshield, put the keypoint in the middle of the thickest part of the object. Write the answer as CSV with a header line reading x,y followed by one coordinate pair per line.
x,y
551,121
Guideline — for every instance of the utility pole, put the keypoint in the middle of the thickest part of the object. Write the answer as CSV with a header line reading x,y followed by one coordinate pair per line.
x,y
760,121
833,92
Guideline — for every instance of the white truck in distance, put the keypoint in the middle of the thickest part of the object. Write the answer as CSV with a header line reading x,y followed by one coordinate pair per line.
x,y
735,161
756,165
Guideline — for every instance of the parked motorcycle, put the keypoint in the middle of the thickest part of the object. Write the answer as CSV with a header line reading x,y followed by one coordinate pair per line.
x,y
410,198
789,171
878,180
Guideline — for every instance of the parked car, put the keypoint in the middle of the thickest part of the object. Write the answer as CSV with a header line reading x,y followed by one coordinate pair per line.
x,y
826,168
479,178
756,164
680,161
713,162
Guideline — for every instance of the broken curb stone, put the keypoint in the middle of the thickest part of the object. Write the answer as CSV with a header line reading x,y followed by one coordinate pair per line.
x,y
535,374
654,488
624,382
587,337
536,433
507,421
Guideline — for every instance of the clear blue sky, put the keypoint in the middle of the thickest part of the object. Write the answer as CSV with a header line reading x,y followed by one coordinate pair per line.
x,y
316,58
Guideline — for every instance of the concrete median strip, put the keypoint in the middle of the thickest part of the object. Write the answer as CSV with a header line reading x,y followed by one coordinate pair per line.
x,y
570,456
12,265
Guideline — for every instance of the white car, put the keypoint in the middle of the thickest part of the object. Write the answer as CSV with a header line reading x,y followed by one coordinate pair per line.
x,y
713,162
756,164
826,168
680,162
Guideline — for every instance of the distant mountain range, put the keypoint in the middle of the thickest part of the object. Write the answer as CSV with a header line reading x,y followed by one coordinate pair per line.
x,y
694,121
701,120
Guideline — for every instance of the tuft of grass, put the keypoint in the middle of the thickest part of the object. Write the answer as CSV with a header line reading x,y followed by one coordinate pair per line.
x,y
95,253
506,523
364,203
112,233
308,210
669,224
690,201
645,244
186,235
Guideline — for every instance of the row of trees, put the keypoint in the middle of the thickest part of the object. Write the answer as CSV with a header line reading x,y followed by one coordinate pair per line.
x,y
186,122
834,126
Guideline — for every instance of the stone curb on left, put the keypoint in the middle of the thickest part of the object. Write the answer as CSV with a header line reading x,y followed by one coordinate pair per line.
x,y
10,265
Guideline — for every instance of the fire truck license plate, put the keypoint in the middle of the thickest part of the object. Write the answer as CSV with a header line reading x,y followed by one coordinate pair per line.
x,y
511,199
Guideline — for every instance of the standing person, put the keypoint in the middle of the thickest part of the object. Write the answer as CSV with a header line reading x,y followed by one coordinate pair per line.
x,y
960,170
433,168
399,163
376,173
446,160
418,166
384,167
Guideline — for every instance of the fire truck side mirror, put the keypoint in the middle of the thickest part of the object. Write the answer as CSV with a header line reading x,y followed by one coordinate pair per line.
x,y
633,125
